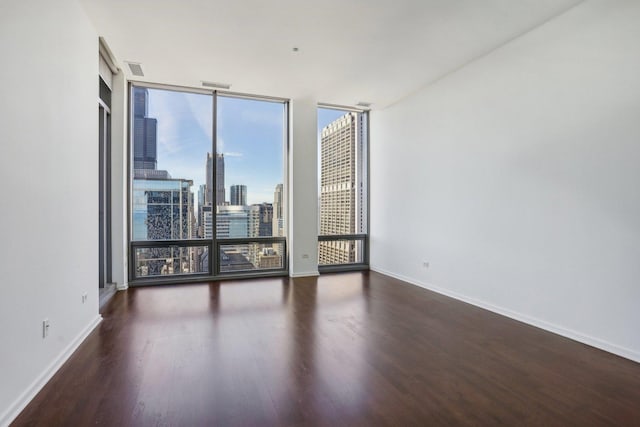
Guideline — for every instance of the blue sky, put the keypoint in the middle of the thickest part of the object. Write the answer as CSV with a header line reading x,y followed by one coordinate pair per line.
x,y
326,116
250,134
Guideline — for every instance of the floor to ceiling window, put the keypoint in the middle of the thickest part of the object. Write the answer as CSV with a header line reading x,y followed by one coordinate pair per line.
x,y
207,174
343,189
250,225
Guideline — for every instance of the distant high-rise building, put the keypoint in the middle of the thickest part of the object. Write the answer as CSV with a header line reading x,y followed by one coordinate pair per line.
x,y
242,221
232,221
338,189
220,196
278,217
208,194
145,129
207,222
219,184
140,102
238,196
163,207
265,228
261,220
155,219
202,190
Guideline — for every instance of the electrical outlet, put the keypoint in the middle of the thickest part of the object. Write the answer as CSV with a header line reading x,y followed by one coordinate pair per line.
x,y
425,264
45,328
84,297
305,256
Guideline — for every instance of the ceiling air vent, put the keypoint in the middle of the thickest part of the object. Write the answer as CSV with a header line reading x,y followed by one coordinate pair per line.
x,y
216,85
135,68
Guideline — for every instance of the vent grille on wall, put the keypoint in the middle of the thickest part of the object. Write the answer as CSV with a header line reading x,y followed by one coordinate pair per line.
x,y
136,69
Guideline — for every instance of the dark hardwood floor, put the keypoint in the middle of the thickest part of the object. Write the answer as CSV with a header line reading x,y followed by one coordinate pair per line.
x,y
355,349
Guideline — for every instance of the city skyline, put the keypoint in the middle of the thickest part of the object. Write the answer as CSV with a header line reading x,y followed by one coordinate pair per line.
x,y
185,127
250,134
175,196
171,207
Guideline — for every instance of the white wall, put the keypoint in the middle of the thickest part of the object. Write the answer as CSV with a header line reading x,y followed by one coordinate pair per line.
x,y
517,178
48,171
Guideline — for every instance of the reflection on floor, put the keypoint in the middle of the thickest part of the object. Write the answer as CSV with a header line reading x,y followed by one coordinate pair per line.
x,y
106,293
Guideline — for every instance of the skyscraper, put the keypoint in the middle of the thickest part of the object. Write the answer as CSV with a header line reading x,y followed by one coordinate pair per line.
x,y
202,190
208,194
155,219
220,196
233,222
265,219
278,217
145,130
338,184
163,207
219,184
238,196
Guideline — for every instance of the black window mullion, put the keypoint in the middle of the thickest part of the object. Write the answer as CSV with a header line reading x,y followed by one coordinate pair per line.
x,y
213,254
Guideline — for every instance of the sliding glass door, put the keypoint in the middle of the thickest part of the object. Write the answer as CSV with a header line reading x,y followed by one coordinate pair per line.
x,y
207,175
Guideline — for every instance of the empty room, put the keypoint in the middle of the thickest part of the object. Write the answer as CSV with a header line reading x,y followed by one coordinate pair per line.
x,y
341,213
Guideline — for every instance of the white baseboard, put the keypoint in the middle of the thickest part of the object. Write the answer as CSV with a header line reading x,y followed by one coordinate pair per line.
x,y
26,396
305,274
122,286
568,333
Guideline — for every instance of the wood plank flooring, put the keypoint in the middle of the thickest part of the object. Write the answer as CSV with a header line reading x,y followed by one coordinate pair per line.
x,y
354,349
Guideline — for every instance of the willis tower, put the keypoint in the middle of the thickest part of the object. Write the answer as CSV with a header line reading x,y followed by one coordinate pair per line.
x,y
145,129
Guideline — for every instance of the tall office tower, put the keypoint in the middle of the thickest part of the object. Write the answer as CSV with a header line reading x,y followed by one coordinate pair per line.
x,y
140,102
145,129
277,229
208,195
219,184
207,222
155,219
338,184
266,220
233,221
220,196
260,221
202,190
238,196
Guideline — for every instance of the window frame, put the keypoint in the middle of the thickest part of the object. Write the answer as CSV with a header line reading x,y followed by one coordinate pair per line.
x,y
214,243
358,237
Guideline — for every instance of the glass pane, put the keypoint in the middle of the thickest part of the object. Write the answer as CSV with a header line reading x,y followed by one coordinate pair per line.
x,y
171,260
249,168
336,252
251,256
342,145
172,140
342,170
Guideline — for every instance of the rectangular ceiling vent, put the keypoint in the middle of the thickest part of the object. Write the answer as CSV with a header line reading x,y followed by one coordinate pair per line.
x,y
136,69
216,85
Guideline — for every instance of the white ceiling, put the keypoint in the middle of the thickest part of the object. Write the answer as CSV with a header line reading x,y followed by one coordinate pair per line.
x,y
349,50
